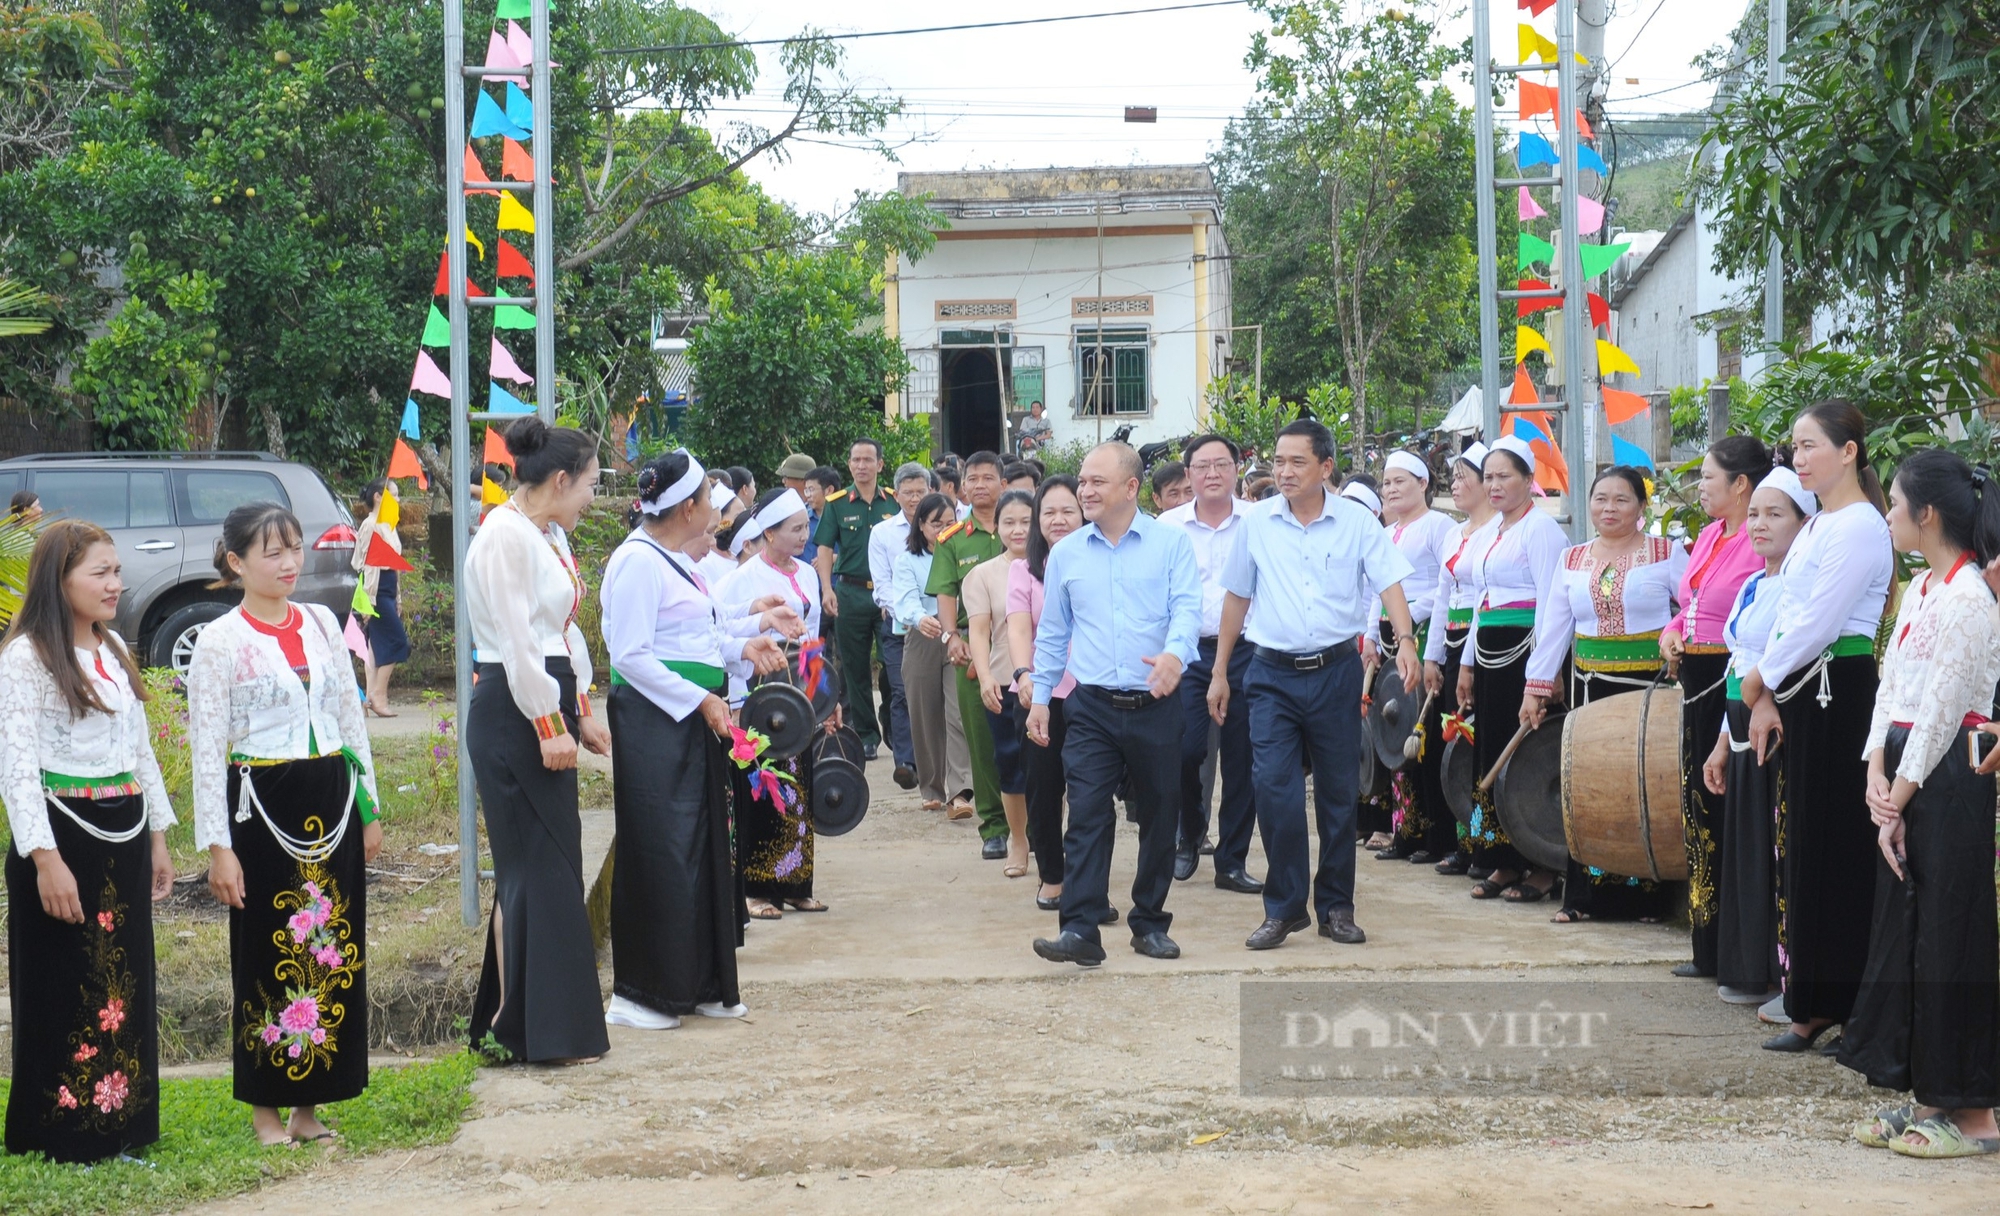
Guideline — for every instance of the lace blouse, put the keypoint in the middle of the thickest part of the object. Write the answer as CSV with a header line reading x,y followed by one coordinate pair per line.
x,y
245,699
1633,593
1458,582
38,734
522,593
1516,564
1942,664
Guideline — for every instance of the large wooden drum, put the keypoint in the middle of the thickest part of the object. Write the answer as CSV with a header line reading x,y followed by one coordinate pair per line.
x,y
1621,784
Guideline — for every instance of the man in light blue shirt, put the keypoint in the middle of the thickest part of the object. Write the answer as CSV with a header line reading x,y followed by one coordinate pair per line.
x,y
1121,613
1309,563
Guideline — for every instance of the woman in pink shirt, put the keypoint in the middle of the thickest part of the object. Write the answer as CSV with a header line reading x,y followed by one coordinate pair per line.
x,y
1692,643
1057,514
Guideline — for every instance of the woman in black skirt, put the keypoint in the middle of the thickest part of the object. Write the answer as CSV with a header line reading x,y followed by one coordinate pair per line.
x,y
1815,689
82,791
538,990
284,802
1451,623
675,920
1927,1017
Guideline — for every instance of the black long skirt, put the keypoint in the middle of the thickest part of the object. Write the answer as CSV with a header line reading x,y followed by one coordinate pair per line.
x,y
298,946
1927,1016
1826,840
1746,943
1496,710
1454,833
1703,700
674,923
776,842
538,993
86,1038
1424,820
1600,894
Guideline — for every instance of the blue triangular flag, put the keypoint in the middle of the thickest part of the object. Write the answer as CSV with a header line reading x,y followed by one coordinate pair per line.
x,y
1585,157
1534,150
520,111
1626,452
409,426
488,120
1528,431
500,401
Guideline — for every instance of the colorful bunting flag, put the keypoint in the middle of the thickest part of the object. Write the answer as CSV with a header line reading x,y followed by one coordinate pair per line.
x,y
1532,43
521,9
1535,7
1611,360
1624,451
520,111
1530,209
500,401
490,493
1551,470
496,448
498,55
513,265
383,556
514,215
1600,312
443,284
1524,389
437,330
515,163
1526,339
1524,429
503,366
1583,126
1589,159
356,637
475,174
428,379
475,242
361,604
513,316
1534,249
1621,406
1529,307
488,119
1598,258
1534,150
1589,215
409,425
389,512
403,463
1537,99
521,45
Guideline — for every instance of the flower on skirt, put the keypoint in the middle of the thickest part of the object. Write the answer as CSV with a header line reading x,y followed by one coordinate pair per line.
x,y
112,1089
84,1052
327,956
271,1034
112,1016
299,1017
106,921
301,924
64,1098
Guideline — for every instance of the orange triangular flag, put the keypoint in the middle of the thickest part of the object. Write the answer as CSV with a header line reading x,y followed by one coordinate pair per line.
x,y
515,163
1620,406
1583,126
403,463
1524,389
475,173
443,284
513,265
383,557
1537,99
496,449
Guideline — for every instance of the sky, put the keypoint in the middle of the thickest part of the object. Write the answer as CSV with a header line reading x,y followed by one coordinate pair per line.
x,y
1037,96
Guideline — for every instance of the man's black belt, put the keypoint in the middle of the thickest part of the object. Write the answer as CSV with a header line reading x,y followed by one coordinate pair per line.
x,y
1125,699
855,580
1308,661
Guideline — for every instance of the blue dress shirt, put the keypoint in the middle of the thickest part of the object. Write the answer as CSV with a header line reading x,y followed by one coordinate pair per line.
x,y
1108,607
1314,584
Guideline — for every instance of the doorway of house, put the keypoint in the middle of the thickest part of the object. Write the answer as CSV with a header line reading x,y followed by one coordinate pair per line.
x,y
969,398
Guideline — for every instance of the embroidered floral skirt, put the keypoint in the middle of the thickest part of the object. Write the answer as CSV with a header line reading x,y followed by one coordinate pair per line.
x,y
86,1042
776,843
298,946
1703,703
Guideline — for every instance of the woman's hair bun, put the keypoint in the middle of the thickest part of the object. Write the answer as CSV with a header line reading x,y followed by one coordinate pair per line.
x,y
649,480
527,436
1781,455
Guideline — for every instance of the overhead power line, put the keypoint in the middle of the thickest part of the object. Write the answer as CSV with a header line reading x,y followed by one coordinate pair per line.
x,y
930,29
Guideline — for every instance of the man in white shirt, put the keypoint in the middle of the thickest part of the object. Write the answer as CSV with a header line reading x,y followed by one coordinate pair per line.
x,y
885,540
1213,520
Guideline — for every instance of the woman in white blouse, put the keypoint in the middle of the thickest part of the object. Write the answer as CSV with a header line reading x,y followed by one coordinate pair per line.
x,y
89,814
284,802
528,710
1815,688
1927,1016
1516,563
675,917
775,842
1451,623
1606,605
1746,901
1425,829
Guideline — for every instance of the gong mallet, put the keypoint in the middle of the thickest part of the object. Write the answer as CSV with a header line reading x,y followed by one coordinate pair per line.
x,y
1486,782
1413,746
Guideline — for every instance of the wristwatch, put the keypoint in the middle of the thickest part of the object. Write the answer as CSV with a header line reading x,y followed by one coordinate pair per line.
x,y
1018,673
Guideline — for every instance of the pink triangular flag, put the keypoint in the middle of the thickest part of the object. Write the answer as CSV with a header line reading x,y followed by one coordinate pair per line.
x,y
1589,215
519,44
500,55
504,368
1530,209
428,379
357,638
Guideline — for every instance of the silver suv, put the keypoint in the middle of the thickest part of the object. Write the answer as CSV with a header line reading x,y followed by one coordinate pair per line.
x,y
165,510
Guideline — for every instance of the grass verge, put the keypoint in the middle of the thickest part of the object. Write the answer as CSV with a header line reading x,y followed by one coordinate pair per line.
x,y
207,1151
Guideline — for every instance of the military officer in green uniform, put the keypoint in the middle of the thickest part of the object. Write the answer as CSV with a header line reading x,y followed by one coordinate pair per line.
x,y
969,542
846,593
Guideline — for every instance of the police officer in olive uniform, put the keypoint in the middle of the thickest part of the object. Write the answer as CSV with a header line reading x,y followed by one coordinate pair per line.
x,y
846,592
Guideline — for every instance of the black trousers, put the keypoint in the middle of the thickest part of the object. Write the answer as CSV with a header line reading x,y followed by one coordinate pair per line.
x,y
1239,808
1045,793
1105,746
1296,716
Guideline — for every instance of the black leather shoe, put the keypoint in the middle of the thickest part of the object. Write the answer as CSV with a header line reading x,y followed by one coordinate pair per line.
x,y
905,778
1688,971
1185,861
1049,905
1156,945
1239,882
1273,932
1208,848
869,750
1795,1044
1341,928
1422,857
994,849
1069,948
1110,916
1399,851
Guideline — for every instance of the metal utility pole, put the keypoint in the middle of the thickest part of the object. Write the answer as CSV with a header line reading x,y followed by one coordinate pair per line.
x,y
459,493
1483,209
1578,367
1774,260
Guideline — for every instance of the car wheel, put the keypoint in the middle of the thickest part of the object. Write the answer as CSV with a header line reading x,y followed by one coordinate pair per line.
x,y
173,642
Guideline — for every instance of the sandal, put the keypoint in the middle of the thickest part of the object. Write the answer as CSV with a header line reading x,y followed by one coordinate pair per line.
x,y
932,804
808,904
1524,892
1569,916
1486,888
762,910
1886,1126
1942,1138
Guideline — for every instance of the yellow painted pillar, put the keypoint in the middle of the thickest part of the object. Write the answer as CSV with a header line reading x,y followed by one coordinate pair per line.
x,y
1202,370
892,323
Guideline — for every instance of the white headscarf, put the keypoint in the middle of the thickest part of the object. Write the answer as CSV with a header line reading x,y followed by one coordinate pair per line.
x,y
1786,481
1474,455
719,495
1363,495
1410,463
672,496
1518,446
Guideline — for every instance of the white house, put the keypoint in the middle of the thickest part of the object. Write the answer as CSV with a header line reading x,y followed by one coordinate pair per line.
x,y
1102,292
